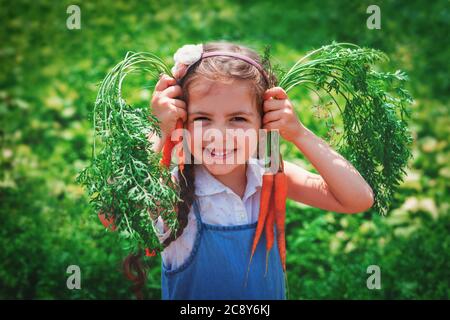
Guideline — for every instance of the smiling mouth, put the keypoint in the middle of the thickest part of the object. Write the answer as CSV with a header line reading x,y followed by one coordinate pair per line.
x,y
222,154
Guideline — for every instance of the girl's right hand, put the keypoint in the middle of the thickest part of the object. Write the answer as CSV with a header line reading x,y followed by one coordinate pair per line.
x,y
166,107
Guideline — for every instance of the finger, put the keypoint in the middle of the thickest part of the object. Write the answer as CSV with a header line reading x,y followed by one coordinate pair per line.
x,y
275,93
179,103
273,125
177,108
181,113
180,71
173,91
272,116
272,104
164,82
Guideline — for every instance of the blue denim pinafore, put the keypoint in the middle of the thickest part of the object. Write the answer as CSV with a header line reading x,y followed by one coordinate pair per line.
x,y
217,266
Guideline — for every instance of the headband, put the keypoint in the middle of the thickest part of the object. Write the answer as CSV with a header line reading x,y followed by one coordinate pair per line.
x,y
189,54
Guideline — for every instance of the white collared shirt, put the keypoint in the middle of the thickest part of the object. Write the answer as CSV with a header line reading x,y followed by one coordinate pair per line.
x,y
219,205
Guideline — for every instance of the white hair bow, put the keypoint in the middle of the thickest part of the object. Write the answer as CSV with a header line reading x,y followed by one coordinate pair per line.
x,y
184,57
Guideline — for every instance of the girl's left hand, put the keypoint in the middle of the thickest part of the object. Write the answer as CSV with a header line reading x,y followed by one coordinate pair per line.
x,y
279,114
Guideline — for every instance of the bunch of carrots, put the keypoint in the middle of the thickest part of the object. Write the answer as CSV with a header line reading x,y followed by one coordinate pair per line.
x,y
166,159
272,211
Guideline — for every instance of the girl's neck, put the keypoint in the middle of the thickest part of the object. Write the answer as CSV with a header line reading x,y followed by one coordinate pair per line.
x,y
236,180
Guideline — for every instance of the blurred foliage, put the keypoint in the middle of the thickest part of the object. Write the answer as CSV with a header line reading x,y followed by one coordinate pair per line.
x,y
49,77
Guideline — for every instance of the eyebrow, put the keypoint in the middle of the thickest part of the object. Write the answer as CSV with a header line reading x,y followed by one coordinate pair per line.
x,y
249,114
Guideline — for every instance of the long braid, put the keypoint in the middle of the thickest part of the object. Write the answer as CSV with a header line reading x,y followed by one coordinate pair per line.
x,y
135,271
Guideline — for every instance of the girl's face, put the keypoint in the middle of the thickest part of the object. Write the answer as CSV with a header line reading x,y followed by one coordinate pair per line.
x,y
223,123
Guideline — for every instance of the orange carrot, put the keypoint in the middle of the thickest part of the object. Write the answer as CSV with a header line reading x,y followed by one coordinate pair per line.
x,y
167,152
266,191
180,157
280,214
270,222
168,146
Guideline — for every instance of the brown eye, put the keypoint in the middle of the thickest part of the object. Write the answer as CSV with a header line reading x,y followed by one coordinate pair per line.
x,y
240,119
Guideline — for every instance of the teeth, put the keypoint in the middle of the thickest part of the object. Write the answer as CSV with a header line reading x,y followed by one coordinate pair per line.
x,y
219,154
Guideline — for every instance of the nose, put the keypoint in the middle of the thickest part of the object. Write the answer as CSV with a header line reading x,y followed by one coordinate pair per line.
x,y
220,136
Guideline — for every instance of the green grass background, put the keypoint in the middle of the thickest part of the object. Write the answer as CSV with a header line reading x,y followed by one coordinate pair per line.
x,y
49,76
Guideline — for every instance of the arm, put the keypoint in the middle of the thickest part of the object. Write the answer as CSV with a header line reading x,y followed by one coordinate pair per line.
x,y
338,188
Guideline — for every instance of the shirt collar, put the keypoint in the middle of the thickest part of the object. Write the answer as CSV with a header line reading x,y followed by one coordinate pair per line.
x,y
207,184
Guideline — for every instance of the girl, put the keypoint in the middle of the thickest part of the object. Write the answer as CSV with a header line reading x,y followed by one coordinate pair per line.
x,y
228,89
